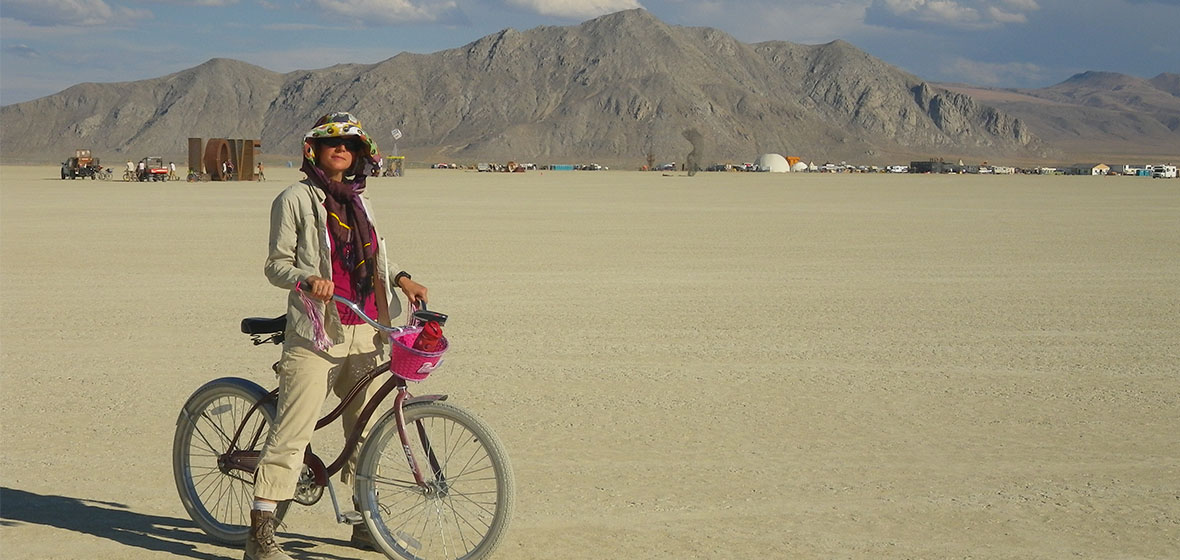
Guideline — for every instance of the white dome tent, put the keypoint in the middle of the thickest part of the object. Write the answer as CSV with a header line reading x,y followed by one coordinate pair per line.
x,y
774,163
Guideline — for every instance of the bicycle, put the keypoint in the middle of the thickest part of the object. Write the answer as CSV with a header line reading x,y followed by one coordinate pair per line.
x,y
458,507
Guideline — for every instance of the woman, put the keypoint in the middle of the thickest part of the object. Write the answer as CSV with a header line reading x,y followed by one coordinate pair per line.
x,y
322,242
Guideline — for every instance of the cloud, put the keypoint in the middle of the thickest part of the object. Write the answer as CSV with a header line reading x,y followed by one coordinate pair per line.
x,y
391,11
198,2
955,14
292,27
992,73
23,51
1000,16
575,8
70,13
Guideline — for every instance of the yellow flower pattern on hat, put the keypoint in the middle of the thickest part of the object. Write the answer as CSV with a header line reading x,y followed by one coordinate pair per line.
x,y
335,125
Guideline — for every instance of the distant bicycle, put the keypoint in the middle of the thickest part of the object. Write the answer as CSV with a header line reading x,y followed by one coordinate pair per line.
x,y
103,173
197,176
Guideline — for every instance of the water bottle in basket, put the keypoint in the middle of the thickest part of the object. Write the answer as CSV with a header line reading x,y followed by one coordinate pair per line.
x,y
430,339
413,361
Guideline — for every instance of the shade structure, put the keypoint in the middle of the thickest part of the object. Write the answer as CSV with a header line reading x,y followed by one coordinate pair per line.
x,y
774,163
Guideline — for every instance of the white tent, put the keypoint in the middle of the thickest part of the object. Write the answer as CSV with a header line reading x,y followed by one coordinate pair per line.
x,y
799,166
774,163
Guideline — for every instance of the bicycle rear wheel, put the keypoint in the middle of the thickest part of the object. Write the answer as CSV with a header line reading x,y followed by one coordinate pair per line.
x,y
219,500
465,512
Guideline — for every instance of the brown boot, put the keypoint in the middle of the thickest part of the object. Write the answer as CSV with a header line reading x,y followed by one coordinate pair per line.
x,y
362,538
261,545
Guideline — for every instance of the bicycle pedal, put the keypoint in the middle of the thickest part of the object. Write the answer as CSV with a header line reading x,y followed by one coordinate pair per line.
x,y
352,517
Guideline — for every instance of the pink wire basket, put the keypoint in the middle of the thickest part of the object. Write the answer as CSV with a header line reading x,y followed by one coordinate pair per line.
x,y
410,364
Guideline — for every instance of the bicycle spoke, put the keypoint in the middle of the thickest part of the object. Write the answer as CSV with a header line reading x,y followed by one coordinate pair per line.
x,y
462,511
219,501
394,482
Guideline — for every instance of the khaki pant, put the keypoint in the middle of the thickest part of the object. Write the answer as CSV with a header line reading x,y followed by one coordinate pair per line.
x,y
305,374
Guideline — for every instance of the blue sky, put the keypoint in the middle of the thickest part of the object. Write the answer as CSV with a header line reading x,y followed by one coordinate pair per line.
x,y
49,45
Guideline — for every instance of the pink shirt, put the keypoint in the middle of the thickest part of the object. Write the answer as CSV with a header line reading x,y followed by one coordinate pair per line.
x,y
342,278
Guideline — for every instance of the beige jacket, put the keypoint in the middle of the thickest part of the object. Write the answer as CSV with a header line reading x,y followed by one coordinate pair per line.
x,y
299,248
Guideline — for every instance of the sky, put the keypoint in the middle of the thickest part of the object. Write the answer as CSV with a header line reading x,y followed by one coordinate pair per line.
x,y
49,45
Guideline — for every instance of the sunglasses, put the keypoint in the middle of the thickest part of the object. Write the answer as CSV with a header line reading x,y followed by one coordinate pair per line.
x,y
337,141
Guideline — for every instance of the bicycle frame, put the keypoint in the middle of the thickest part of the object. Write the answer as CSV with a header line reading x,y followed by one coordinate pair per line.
x,y
247,461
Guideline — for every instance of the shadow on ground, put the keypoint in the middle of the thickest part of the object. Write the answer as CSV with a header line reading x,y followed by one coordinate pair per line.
x,y
116,522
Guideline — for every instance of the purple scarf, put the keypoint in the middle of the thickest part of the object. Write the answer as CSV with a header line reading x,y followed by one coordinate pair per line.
x,y
349,226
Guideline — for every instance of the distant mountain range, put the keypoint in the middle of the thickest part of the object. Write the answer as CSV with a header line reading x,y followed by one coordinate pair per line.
x,y
1097,116
612,89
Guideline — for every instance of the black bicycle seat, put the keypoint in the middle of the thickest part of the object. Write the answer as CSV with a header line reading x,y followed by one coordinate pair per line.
x,y
260,325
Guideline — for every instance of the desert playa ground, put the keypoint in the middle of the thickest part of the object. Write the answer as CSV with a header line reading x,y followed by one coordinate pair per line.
x,y
725,366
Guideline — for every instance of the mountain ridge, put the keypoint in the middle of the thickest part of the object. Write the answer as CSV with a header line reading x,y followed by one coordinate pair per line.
x,y
1096,113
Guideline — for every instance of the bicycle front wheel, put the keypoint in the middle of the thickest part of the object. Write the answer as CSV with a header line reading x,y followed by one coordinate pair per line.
x,y
465,509
219,499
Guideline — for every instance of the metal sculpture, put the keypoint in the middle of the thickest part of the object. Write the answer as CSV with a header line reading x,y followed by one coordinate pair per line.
x,y
223,159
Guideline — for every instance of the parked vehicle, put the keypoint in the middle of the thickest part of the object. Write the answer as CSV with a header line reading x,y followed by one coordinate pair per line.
x,y
153,169
81,165
1164,172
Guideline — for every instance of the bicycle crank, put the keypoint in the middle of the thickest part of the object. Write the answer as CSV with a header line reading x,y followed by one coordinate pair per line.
x,y
307,490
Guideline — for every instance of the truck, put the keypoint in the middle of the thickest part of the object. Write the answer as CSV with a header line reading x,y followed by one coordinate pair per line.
x,y
153,169
1163,172
81,165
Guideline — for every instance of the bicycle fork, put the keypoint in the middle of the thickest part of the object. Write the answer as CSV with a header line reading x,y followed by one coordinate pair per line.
x,y
435,467
438,488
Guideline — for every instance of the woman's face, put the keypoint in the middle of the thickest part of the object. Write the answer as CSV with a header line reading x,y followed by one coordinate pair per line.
x,y
335,156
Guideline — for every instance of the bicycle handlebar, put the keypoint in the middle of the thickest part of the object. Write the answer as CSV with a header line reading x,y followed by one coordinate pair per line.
x,y
419,313
359,313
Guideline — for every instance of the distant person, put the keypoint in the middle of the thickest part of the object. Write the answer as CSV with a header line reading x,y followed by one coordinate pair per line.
x,y
141,171
323,241
260,175
171,171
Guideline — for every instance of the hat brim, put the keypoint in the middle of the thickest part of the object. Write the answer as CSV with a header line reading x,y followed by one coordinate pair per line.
x,y
340,130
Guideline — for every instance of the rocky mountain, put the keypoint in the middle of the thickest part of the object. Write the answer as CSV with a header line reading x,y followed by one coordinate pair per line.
x,y
611,89
1097,115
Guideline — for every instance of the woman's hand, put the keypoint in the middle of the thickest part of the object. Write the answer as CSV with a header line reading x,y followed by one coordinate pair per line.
x,y
413,290
319,288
